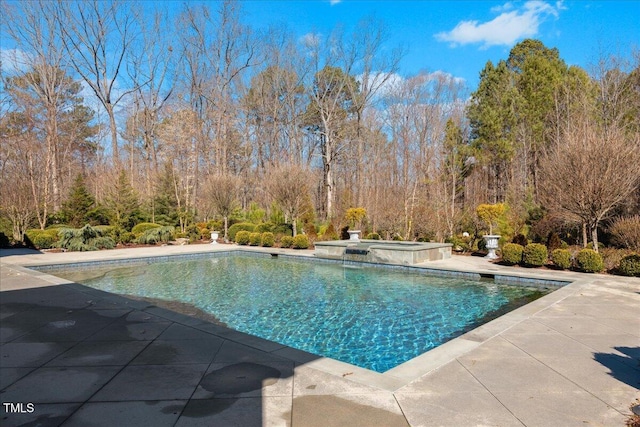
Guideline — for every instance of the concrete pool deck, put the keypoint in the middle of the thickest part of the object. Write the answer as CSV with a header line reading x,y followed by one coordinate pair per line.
x,y
86,357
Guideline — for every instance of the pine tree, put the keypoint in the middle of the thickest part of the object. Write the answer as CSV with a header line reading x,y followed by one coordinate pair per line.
x,y
78,203
123,204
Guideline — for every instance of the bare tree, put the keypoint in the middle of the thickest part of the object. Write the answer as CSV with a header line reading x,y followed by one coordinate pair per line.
x,y
221,193
36,32
97,36
288,185
590,171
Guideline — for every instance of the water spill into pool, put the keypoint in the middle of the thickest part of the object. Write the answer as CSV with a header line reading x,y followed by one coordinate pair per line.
x,y
376,318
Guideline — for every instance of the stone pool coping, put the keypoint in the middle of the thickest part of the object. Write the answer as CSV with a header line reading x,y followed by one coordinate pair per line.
x,y
402,380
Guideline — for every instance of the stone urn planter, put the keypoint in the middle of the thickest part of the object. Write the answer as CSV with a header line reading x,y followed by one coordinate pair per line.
x,y
354,235
491,241
214,237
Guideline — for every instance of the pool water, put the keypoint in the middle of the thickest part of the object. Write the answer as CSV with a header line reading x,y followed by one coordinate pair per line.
x,y
372,317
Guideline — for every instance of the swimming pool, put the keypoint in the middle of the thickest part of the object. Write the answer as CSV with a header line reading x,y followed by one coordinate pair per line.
x,y
372,317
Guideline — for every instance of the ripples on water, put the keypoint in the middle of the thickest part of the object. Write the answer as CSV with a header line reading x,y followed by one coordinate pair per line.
x,y
376,318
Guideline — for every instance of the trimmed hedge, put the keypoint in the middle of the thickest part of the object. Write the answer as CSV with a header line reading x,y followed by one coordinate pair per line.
x,y
267,239
242,237
589,261
301,241
561,258
535,255
139,229
240,226
43,239
512,253
255,239
286,242
630,265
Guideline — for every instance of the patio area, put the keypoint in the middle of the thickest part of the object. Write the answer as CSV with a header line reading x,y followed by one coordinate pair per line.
x,y
83,357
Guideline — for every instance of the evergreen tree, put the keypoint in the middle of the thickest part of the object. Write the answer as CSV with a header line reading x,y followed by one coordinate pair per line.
x,y
78,203
123,204
492,117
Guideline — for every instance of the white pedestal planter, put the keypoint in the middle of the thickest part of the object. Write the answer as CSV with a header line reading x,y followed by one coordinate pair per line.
x,y
214,237
354,235
491,245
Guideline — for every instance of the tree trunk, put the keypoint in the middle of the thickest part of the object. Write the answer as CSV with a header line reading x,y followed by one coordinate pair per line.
x,y
114,135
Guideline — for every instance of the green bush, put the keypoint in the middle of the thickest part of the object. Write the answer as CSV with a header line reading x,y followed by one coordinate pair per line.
x,y
282,229
301,241
43,239
243,237
267,239
630,265
589,261
286,242
512,253
86,238
264,227
127,237
535,255
255,239
561,258
240,226
373,236
139,229
156,235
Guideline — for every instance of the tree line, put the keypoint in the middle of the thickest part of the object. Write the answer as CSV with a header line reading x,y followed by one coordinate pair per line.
x,y
147,117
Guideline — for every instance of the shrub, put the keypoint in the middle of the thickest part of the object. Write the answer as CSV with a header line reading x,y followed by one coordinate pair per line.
x,y
282,229
286,242
255,239
156,235
626,232
43,239
397,238
553,241
535,255
267,239
139,229
589,261
301,241
512,253
240,226
561,258
243,237
600,245
86,238
127,237
630,265
264,227
373,236
520,239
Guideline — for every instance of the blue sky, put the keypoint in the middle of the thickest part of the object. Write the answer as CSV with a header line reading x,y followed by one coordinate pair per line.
x,y
458,37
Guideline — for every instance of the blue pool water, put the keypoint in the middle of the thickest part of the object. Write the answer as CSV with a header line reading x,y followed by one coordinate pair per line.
x,y
372,317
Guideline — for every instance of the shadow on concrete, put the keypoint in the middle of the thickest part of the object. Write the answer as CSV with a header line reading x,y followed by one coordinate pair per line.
x,y
18,251
86,357
624,367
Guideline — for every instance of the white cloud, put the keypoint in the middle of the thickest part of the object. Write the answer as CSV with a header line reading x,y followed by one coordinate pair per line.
x,y
311,40
332,2
505,29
